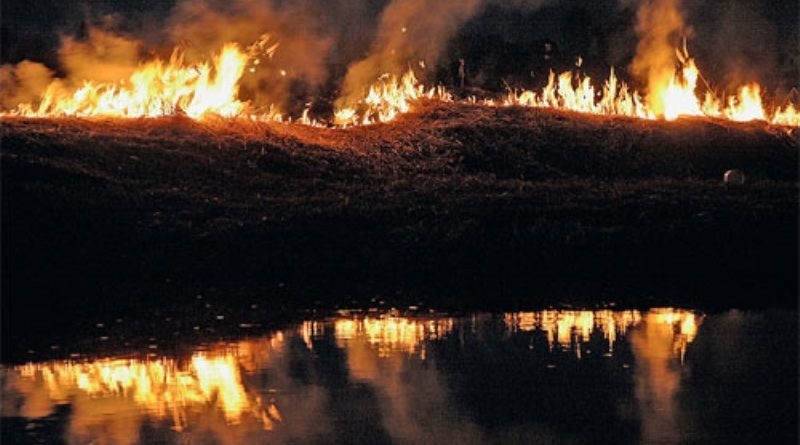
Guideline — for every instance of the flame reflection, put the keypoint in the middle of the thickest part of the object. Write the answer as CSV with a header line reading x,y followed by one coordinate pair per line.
x,y
392,333
567,329
664,336
248,386
162,388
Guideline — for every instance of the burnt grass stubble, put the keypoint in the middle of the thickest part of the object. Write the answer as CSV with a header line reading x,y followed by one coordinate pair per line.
x,y
457,207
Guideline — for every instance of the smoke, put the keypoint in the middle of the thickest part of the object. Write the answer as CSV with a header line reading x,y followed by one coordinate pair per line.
x,y
22,83
410,31
202,27
519,5
101,56
740,42
659,27
101,53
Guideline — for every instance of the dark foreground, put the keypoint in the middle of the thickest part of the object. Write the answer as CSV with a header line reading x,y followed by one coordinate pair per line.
x,y
457,207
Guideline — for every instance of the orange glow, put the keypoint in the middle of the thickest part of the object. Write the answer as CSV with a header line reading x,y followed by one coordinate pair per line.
x,y
160,88
570,329
392,333
574,93
156,88
163,388
746,105
676,98
223,387
789,116
679,97
388,98
683,325
218,378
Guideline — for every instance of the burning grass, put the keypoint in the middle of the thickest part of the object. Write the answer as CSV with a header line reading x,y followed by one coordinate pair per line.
x,y
464,202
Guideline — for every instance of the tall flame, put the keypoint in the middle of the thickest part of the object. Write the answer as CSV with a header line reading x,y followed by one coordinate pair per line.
x,y
679,97
156,88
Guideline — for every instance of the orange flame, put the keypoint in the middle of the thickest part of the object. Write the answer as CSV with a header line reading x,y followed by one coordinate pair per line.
x,y
388,98
154,89
789,116
159,88
677,98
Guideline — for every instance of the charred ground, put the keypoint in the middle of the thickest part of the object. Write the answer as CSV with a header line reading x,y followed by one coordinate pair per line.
x,y
456,206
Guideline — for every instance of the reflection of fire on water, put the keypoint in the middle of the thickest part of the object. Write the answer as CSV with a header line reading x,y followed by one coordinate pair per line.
x,y
664,336
568,329
684,328
163,388
388,333
218,382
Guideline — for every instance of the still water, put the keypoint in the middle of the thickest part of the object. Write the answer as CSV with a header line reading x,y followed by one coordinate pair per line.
x,y
658,376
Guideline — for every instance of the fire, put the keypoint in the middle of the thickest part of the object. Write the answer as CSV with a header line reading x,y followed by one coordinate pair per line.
x,y
576,93
160,88
746,106
388,98
678,98
789,116
156,88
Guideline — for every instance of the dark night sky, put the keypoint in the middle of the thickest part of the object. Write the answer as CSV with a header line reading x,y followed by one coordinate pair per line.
x,y
750,32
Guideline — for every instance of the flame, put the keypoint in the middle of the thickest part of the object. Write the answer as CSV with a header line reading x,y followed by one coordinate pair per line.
x,y
388,98
576,93
677,98
156,88
789,116
746,106
159,88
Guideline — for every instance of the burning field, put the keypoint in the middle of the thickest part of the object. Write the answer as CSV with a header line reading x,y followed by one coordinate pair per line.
x,y
306,153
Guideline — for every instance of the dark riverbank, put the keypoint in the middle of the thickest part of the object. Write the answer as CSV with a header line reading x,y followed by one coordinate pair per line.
x,y
456,206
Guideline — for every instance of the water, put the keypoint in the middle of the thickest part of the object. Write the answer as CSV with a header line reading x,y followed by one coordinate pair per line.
x,y
658,376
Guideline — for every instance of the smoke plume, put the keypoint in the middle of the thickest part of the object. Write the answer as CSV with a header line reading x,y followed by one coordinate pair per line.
x,y
202,27
410,31
659,24
22,83
101,56
740,42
